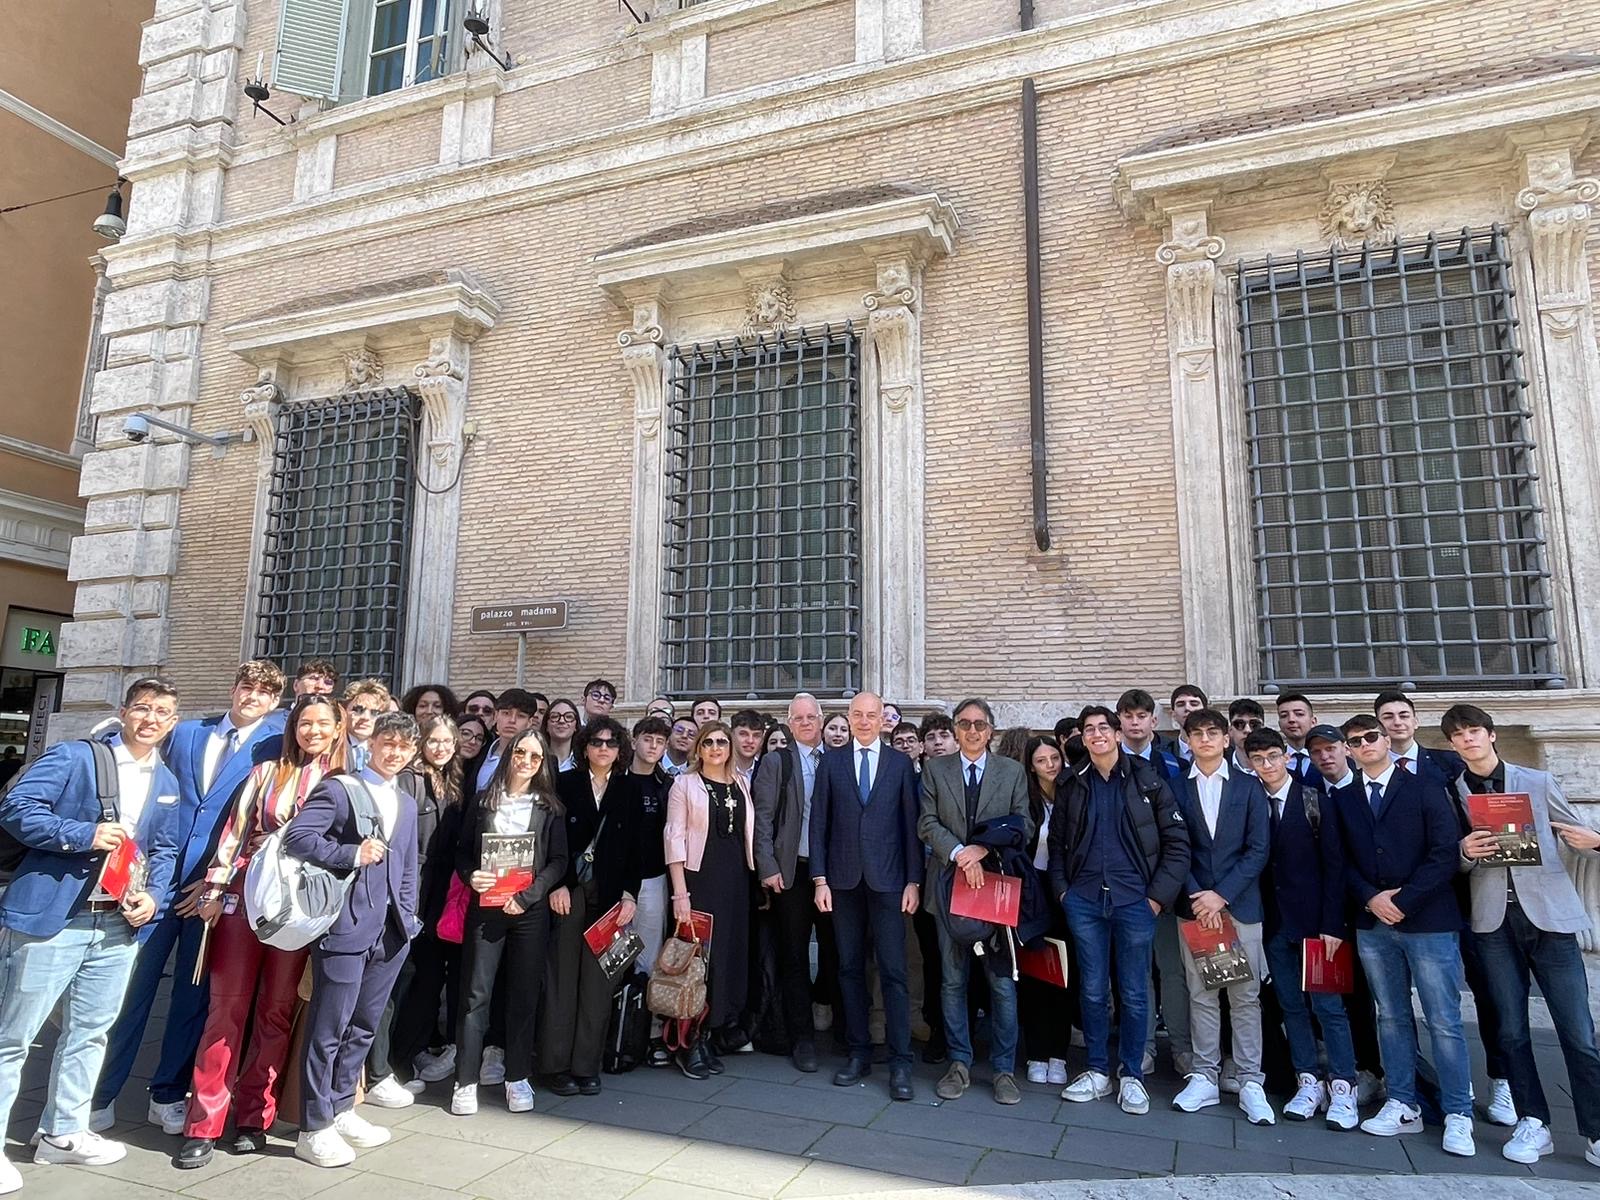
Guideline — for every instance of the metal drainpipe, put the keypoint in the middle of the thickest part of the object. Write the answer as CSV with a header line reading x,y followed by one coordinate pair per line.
x,y
1030,212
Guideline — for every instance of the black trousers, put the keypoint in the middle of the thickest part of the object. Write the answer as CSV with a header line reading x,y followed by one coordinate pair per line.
x,y
1494,1047
520,944
927,931
433,966
572,1035
794,919
856,911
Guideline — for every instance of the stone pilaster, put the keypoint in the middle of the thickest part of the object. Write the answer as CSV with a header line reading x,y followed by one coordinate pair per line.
x,y
441,381
179,139
645,359
888,29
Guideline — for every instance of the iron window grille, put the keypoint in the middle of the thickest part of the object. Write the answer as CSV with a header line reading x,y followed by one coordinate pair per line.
x,y
762,575
1397,526
338,533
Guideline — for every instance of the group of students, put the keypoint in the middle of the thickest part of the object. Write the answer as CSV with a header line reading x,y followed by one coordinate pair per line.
x,y
828,831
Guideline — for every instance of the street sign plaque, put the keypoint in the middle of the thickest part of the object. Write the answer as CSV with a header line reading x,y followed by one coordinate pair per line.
x,y
519,616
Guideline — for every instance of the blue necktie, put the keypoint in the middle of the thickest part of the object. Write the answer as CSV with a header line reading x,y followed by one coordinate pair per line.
x,y
1374,794
864,779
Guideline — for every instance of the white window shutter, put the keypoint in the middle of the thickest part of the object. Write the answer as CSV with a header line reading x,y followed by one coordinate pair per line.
x,y
311,39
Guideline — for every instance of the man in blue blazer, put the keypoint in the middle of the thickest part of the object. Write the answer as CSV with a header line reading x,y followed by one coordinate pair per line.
x,y
63,934
1230,838
355,965
1401,842
210,759
865,856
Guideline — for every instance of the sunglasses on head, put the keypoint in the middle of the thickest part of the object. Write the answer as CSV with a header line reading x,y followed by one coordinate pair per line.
x,y
1354,741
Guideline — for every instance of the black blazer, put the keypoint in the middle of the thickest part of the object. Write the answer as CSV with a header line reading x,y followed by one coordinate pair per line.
x,y
616,856
1304,883
1412,843
550,850
874,842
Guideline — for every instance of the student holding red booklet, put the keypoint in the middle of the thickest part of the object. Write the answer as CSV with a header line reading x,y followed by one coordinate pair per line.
x,y
1303,890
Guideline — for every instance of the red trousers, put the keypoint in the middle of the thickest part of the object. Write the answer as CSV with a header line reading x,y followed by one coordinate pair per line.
x,y
251,985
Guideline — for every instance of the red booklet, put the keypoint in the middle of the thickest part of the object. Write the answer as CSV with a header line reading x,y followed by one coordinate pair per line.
x,y
1319,973
510,857
1217,954
602,932
1048,963
1509,816
700,922
126,871
998,901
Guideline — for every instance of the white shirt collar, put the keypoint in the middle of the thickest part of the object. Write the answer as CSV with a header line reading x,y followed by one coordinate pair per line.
x,y
1343,780
980,762
124,757
1282,794
1382,780
369,776
1221,772
1410,754
871,747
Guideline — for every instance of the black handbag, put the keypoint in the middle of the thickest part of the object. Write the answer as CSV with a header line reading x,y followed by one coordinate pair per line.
x,y
628,1034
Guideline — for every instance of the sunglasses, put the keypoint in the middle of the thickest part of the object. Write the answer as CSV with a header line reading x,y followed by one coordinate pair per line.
x,y
1247,725
361,710
716,742
972,726
604,743
563,716
1363,739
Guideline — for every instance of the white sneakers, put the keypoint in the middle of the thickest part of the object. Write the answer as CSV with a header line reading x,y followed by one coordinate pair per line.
x,y
360,1132
169,1116
1591,1153
324,1148
1198,1093
1393,1118
1091,1085
519,1095
1309,1098
1038,1072
1502,1108
493,1068
464,1099
10,1177
1342,1111
431,1068
1132,1098
389,1092
1458,1135
1254,1104
1056,1072
1530,1141
102,1119
84,1149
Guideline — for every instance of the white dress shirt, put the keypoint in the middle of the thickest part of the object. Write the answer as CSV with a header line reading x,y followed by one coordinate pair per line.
x,y
218,742
1381,780
385,797
1209,789
1281,797
872,748
967,764
135,778
515,814
1413,762
1041,856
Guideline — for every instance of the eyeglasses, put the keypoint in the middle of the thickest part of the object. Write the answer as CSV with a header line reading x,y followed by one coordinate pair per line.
x,y
361,710
716,742
147,710
1247,724
602,697
564,716
1101,730
1364,739
1270,758
972,726
603,743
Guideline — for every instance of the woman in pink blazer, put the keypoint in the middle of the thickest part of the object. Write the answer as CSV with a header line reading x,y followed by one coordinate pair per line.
x,y
709,840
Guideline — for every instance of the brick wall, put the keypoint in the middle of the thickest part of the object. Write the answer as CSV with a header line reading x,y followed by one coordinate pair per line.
x,y
782,48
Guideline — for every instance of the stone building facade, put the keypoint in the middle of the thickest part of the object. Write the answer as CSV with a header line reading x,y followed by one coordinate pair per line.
x,y
532,258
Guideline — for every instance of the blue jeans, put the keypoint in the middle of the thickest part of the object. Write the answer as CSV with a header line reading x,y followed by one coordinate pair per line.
x,y
186,1014
88,962
955,959
1431,962
1283,956
1129,930
1513,953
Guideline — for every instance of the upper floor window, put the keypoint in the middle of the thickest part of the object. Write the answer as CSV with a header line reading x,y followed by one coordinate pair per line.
x,y
762,566
410,43
340,50
1397,527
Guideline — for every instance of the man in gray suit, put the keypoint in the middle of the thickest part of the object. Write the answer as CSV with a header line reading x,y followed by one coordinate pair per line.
x,y
1526,920
781,792
960,791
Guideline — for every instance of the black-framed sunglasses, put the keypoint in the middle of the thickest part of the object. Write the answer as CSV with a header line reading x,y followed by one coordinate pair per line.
x,y
1247,724
717,741
1356,741
604,743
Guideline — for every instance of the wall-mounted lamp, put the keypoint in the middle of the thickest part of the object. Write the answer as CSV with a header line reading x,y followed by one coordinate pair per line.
x,y
258,91
476,22
110,224
138,426
633,12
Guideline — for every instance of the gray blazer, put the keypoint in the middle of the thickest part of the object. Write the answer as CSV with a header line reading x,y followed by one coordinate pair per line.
x,y
777,833
1546,893
942,824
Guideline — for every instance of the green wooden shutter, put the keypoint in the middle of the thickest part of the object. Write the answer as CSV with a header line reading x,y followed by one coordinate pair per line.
x,y
311,41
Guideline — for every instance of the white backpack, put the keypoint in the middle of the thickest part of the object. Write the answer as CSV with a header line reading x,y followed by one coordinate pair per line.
x,y
289,902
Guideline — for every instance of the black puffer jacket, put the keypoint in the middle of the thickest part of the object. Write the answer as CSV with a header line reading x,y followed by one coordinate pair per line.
x,y
1152,829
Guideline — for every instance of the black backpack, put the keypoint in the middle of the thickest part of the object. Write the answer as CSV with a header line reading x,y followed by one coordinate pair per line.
x,y
628,1032
12,851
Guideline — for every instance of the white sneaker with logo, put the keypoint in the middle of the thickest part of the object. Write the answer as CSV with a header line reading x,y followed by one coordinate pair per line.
x,y
1254,1104
324,1148
1132,1097
1038,1072
1091,1085
464,1099
1393,1118
1458,1135
360,1132
169,1116
389,1092
1198,1093
1342,1111
1308,1100
493,1068
84,1149
1055,1071
519,1095
1502,1108
1530,1141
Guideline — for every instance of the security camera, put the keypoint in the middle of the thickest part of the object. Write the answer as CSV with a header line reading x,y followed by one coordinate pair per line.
x,y
137,427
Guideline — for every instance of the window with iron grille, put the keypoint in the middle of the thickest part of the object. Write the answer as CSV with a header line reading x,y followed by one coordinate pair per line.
x,y
762,563
1397,526
337,542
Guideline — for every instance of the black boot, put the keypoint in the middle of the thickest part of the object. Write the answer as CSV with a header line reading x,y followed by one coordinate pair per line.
x,y
691,1061
196,1152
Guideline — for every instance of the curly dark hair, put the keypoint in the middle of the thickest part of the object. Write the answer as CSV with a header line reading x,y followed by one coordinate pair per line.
x,y
580,743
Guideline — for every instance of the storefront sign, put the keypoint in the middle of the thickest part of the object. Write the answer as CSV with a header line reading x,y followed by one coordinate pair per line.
x,y
31,640
521,616
44,703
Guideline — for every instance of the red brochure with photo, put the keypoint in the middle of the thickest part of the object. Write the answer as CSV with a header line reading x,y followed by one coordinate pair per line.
x,y
998,901
1047,964
126,871
1509,816
604,931
1320,973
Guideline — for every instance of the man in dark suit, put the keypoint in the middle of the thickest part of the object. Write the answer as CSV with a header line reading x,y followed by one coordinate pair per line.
x,y
1401,857
864,865
211,759
348,825
1296,719
65,935
959,792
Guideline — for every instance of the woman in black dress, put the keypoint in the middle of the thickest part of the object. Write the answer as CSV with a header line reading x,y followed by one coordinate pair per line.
x,y
709,842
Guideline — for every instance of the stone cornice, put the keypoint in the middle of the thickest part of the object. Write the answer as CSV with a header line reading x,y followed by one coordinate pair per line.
x,y
37,531
453,304
45,454
1150,185
712,16
920,227
1131,38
